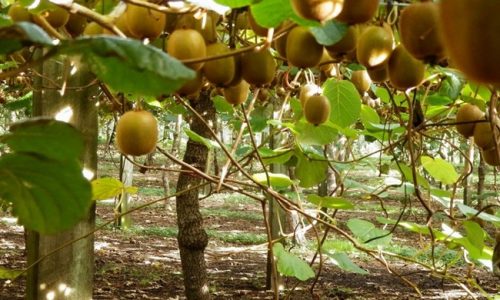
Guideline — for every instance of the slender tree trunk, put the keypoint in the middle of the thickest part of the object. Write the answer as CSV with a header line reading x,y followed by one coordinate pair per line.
x,y
126,176
69,273
481,176
192,237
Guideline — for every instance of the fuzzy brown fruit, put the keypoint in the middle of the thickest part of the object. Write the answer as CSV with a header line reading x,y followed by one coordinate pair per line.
x,y
346,44
187,44
258,68
308,90
379,74
136,133
93,28
418,27
491,157
358,11
468,114
361,81
483,136
302,49
374,46
405,71
317,109
220,71
56,16
76,24
193,86
319,10
237,94
18,13
205,24
143,22
470,31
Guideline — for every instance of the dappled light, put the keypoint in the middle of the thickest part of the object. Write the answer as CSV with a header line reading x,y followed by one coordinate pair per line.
x,y
65,114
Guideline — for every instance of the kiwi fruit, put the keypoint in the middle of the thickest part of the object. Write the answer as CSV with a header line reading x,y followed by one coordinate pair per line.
x,y
56,16
468,114
237,94
143,22
346,44
470,29
302,49
93,28
187,44
405,71
358,11
136,133
483,135
361,81
379,74
76,24
318,10
259,30
326,63
205,25
308,90
280,45
259,67
491,157
317,109
220,71
374,46
418,28
18,13
192,86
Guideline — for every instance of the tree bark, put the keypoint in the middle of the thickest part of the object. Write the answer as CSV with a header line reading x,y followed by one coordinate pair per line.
x,y
192,237
69,273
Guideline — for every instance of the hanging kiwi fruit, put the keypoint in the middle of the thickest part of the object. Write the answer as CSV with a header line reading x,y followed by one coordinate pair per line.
x,y
258,67
484,136
361,81
187,44
317,109
405,71
358,11
144,22
302,49
374,46
318,10
136,133
468,114
306,91
220,71
192,86
56,16
18,13
237,94
76,24
346,44
470,31
491,157
418,28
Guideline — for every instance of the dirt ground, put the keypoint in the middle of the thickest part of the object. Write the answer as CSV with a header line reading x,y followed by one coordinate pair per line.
x,y
144,263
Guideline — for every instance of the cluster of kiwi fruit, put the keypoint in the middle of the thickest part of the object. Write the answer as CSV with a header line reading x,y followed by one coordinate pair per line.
x,y
471,122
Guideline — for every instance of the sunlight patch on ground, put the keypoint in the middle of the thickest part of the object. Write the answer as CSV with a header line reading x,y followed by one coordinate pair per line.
x,y
100,245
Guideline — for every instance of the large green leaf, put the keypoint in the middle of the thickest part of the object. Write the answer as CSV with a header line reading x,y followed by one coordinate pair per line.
x,y
330,202
276,180
271,13
22,34
407,174
344,100
475,234
107,187
198,138
129,66
47,137
309,134
366,231
369,116
291,265
276,156
330,33
440,169
309,170
341,260
46,195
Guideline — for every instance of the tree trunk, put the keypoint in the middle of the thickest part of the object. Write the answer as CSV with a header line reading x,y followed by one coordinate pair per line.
x,y
126,176
69,273
192,237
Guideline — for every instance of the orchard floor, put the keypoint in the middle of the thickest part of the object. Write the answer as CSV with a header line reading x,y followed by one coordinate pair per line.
x,y
143,262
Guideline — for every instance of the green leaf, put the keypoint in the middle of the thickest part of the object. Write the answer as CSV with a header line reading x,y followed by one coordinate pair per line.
x,y
343,261
440,169
21,103
23,34
281,11
368,117
408,176
365,231
198,138
235,3
221,105
330,33
437,99
277,180
310,172
107,187
309,134
291,265
211,5
451,85
475,234
276,156
330,202
46,195
129,66
344,100
469,211
47,137
9,273
259,117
